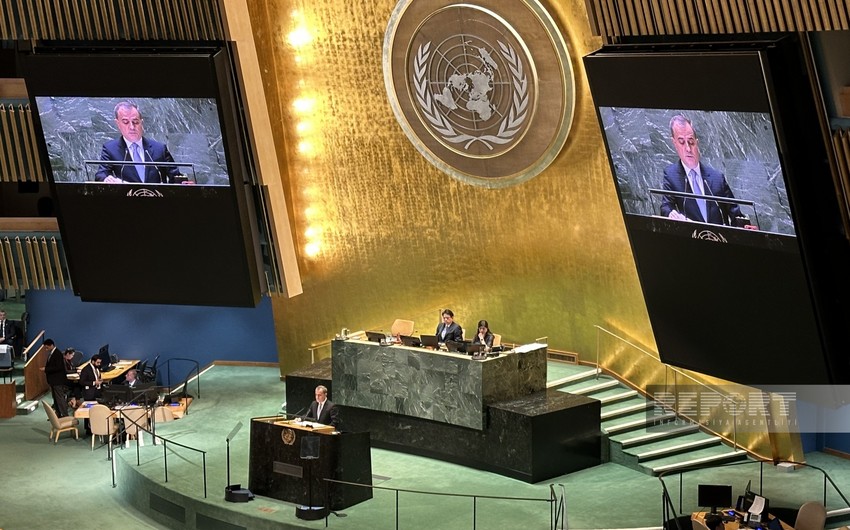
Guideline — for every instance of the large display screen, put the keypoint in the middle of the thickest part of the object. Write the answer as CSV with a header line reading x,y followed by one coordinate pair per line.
x,y
719,165
93,139
734,156
148,166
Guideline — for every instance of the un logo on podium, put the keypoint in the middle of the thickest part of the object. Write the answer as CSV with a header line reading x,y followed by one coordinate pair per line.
x,y
485,92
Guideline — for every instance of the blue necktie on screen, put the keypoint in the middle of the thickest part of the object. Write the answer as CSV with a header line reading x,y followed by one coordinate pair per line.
x,y
697,188
140,169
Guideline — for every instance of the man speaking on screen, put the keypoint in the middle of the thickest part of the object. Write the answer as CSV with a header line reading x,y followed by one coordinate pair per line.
x,y
690,176
133,146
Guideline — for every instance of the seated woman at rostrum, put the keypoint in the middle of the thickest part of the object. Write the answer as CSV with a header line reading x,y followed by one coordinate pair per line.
x,y
484,336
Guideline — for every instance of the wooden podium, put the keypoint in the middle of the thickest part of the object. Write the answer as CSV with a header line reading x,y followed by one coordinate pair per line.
x,y
290,461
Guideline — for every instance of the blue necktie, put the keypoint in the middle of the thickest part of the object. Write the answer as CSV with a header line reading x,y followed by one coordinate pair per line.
x,y
140,169
697,188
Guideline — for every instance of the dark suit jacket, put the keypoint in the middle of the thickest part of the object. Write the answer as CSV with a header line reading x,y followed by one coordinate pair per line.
x,y
454,332
87,380
714,183
9,332
329,416
54,368
116,150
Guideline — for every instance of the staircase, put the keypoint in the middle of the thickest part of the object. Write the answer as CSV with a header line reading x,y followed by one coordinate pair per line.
x,y
639,436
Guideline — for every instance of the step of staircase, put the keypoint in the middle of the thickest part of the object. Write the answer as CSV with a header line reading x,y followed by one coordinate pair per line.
x,y
583,375
635,421
643,436
625,408
614,395
720,454
678,446
586,388
641,456
26,407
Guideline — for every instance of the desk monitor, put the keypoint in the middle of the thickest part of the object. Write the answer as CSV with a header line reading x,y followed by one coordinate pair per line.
x,y
429,341
115,395
714,495
375,336
473,349
105,358
409,341
143,393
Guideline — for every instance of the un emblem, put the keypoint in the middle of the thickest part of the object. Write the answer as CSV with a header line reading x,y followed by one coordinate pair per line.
x,y
487,99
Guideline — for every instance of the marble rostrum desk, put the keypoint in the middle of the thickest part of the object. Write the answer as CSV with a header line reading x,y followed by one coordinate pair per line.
x,y
433,385
496,416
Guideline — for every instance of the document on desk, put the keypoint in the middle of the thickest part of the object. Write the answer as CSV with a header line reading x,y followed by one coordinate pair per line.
x,y
757,506
528,347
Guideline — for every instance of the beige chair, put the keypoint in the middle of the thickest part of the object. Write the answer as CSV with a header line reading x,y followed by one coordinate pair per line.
x,y
812,516
162,415
102,422
497,340
135,417
59,425
402,327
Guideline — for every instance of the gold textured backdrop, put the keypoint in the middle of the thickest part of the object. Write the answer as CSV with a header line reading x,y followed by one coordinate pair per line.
x,y
381,234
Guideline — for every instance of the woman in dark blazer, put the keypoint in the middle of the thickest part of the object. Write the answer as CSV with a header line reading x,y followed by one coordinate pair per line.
x,y
484,336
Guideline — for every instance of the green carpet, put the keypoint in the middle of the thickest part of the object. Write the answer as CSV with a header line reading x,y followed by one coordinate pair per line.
x,y
68,486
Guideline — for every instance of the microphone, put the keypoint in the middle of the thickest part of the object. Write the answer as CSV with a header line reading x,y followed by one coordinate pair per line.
x,y
162,178
722,215
297,414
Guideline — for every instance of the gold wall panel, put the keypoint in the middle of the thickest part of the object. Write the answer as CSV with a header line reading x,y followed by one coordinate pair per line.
x,y
662,17
382,234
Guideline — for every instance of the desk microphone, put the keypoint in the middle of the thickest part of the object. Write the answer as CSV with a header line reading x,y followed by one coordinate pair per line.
x,y
150,159
722,215
297,414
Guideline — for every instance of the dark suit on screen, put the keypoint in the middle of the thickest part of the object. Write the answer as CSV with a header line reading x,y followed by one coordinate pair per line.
x,y
714,183
453,333
153,151
329,415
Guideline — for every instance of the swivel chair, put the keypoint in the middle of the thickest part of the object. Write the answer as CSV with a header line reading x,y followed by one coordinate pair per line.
x,y
812,516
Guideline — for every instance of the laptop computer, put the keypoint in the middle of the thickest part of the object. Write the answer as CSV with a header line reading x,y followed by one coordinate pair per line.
x,y
375,336
429,341
409,341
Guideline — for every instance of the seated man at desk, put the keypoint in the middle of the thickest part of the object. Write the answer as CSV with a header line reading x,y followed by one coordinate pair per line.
x,y
448,329
130,379
322,410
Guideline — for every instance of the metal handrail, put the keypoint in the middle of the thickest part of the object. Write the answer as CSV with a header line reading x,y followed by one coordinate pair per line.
x,y
557,511
676,371
196,369
165,442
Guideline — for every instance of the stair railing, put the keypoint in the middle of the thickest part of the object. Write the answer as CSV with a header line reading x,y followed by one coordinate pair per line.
x,y
672,395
